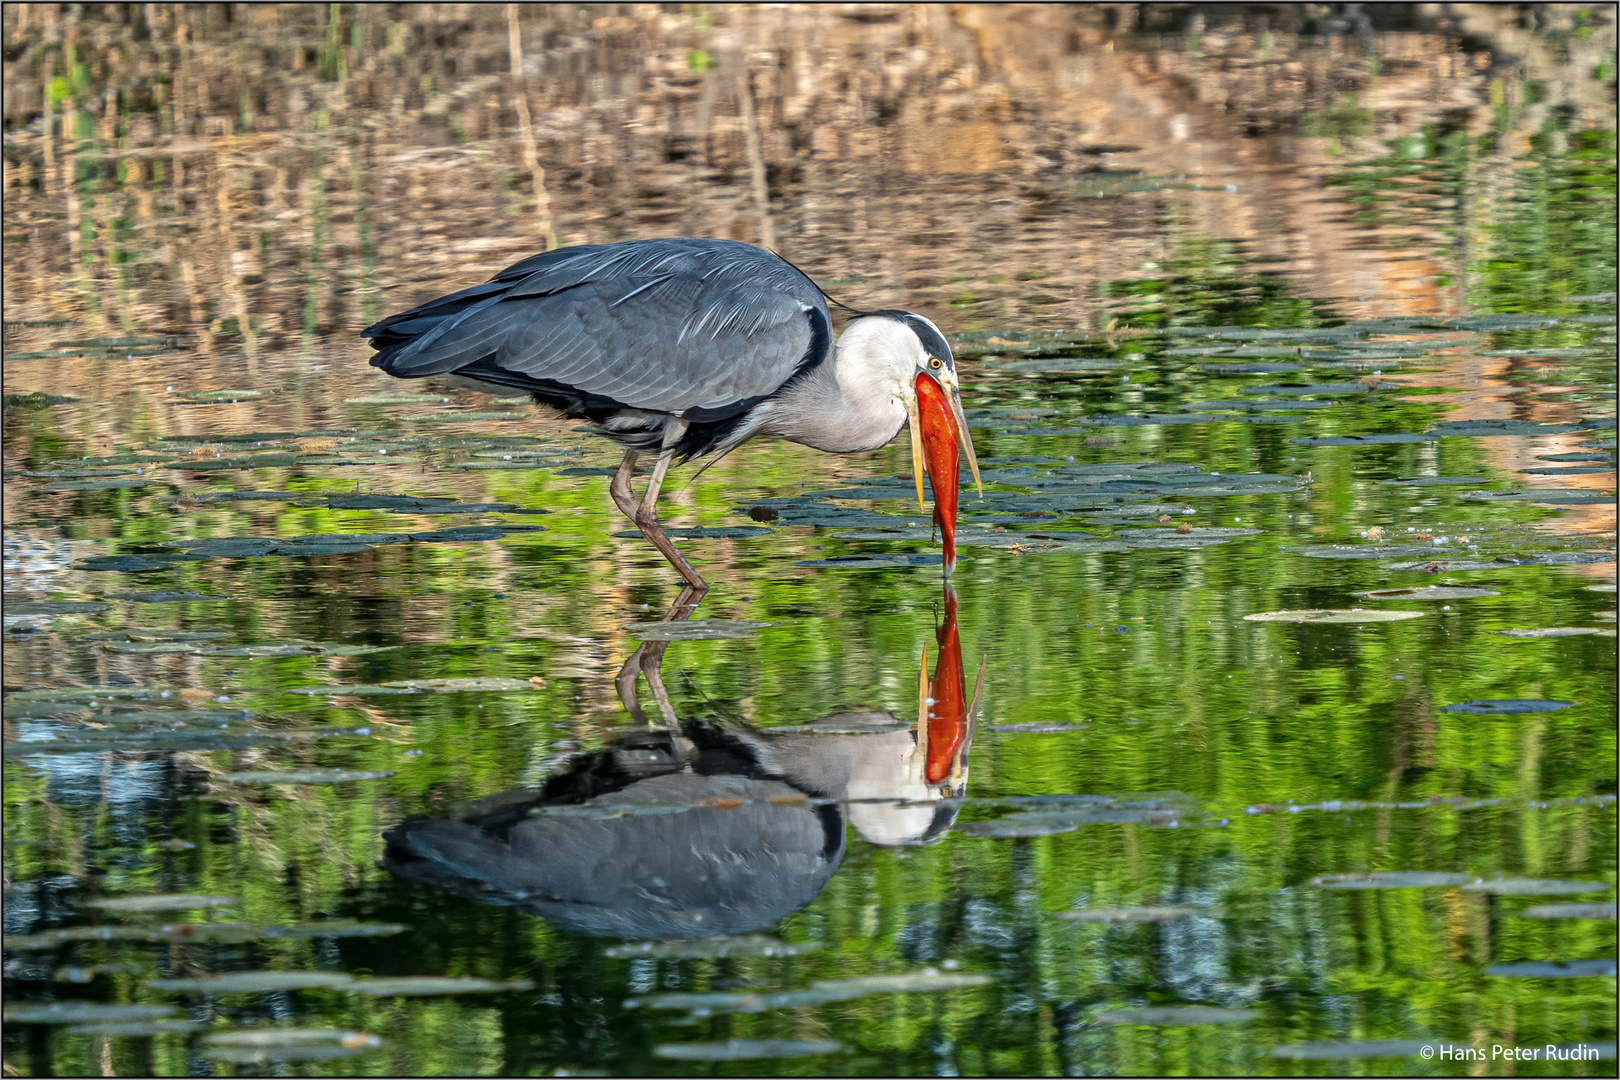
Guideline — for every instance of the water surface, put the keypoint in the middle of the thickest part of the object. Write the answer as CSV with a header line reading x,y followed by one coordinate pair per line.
x,y
311,674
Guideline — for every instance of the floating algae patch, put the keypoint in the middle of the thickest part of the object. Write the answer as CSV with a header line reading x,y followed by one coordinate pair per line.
x,y
1559,632
97,485
1053,364
153,635
1048,822
1434,481
1176,1016
465,417
1555,969
117,342
1546,354
213,931
1035,727
204,497
704,532
552,463
1399,879
466,684
411,503
696,629
1429,592
93,694
267,1045
1535,887
1382,439
1569,470
359,690
872,561
1507,706
1250,333
1249,368
219,397
167,719
1127,914
1571,911
303,776
154,742
84,1012
467,533
1019,827
254,982
1332,388
1236,352
1333,615
162,902
33,402
71,474
404,504
1161,419
1480,428
265,651
1552,496
1360,551
309,545
820,992
1492,323
140,1030
719,947
833,727
422,985
423,685
1238,405
170,596
1441,563
396,399
746,1049
258,461
54,607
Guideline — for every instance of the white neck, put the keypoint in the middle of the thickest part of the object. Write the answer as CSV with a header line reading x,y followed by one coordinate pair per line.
x,y
852,401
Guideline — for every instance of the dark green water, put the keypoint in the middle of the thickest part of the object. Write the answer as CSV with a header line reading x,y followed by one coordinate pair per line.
x,y
1416,393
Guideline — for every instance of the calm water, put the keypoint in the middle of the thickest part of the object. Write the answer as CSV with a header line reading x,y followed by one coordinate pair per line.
x,y
312,674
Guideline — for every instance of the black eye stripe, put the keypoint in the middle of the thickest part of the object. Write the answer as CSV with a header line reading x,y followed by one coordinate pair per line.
x,y
932,342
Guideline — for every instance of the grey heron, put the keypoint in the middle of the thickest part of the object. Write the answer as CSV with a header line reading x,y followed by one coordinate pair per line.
x,y
686,348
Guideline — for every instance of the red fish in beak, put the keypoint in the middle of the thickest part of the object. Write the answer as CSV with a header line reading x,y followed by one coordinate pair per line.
x,y
935,434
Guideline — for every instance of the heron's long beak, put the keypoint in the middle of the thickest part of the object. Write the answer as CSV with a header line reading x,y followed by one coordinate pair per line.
x,y
934,434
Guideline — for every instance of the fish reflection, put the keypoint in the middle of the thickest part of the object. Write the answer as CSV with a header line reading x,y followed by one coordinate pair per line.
x,y
695,827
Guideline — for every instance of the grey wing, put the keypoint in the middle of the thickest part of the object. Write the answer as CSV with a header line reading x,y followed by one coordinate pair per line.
x,y
695,327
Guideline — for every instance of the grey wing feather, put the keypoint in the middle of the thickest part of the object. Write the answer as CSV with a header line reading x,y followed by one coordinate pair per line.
x,y
666,325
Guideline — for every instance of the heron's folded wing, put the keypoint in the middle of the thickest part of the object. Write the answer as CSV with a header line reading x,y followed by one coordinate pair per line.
x,y
672,326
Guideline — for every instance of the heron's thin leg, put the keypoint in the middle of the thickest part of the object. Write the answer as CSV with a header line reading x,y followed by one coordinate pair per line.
x,y
646,515
646,519
623,497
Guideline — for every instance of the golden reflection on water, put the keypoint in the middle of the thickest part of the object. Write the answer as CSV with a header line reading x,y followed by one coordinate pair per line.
x,y
264,177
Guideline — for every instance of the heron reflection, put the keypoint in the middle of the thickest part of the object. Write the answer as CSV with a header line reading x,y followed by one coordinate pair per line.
x,y
695,827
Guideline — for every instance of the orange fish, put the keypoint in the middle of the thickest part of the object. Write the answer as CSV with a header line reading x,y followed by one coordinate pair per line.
x,y
938,435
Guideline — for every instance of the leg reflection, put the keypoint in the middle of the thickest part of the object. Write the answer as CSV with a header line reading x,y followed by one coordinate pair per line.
x,y
648,660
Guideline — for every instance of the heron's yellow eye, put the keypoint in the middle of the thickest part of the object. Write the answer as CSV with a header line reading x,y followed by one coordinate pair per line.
x,y
935,363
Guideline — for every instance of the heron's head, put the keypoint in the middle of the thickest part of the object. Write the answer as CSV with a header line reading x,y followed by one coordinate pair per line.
x,y
915,364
